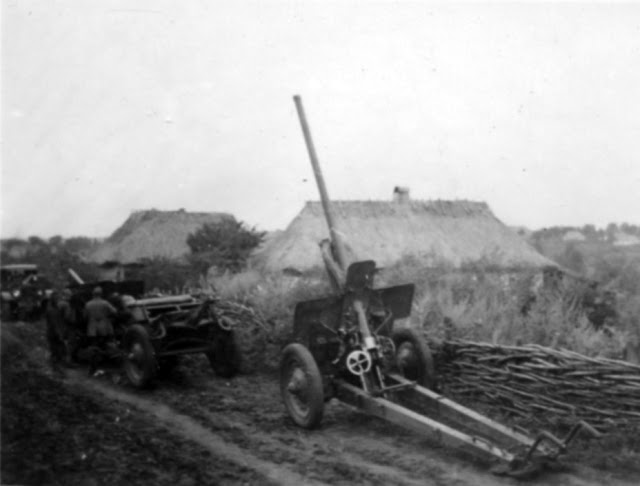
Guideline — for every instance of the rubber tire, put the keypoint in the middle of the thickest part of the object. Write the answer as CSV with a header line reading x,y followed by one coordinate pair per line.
x,y
297,355
225,358
422,371
149,367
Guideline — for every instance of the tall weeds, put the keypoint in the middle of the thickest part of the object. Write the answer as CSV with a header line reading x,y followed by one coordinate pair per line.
x,y
472,303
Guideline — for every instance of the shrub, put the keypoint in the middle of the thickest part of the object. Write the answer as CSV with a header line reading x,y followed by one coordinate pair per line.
x,y
472,303
225,245
164,274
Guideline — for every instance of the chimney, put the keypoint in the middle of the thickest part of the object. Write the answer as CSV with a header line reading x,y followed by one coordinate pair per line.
x,y
401,195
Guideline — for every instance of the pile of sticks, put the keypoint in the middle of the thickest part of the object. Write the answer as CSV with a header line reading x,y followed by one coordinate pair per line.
x,y
241,314
542,385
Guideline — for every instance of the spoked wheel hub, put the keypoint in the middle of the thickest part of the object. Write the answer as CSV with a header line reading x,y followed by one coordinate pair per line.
x,y
359,362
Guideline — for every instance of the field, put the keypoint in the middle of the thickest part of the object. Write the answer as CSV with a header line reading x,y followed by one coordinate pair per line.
x,y
194,428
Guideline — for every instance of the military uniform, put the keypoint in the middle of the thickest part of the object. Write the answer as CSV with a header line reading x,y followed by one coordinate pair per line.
x,y
55,331
99,313
69,332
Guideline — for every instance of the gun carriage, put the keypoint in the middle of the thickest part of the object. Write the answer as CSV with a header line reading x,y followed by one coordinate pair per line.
x,y
151,333
349,347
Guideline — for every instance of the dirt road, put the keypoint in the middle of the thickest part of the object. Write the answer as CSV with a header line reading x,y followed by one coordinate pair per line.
x,y
194,428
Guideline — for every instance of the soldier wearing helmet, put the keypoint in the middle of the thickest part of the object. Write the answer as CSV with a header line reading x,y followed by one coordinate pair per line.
x,y
99,313
68,316
60,319
55,331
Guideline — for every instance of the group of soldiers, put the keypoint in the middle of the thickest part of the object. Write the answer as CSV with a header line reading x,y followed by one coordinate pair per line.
x,y
63,326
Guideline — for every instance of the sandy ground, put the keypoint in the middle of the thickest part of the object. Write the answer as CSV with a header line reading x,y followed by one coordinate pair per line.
x,y
194,428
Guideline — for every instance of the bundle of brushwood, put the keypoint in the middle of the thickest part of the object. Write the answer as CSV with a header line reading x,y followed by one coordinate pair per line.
x,y
252,332
542,385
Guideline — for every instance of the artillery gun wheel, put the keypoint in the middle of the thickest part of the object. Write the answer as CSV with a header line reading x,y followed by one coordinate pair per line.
x,y
301,386
225,357
413,357
139,360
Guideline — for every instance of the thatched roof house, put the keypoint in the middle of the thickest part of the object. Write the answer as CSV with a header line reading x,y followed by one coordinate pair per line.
x,y
450,232
152,233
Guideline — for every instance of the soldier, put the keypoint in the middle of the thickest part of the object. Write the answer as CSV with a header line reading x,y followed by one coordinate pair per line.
x,y
55,331
98,313
69,332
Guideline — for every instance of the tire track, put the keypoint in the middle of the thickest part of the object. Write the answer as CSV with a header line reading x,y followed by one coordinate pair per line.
x,y
371,447
190,429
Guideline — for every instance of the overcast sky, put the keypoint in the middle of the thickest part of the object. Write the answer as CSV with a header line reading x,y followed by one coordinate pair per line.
x,y
111,106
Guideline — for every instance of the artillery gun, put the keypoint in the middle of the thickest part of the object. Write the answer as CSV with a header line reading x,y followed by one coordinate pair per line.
x,y
347,346
151,333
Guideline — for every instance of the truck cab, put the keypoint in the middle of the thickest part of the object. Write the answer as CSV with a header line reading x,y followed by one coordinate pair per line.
x,y
23,291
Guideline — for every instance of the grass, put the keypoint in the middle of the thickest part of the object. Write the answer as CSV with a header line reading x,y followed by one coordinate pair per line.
x,y
476,304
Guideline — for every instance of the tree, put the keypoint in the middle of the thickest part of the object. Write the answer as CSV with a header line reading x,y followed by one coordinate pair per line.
x,y
590,232
80,244
36,242
573,259
162,273
56,241
226,244
612,229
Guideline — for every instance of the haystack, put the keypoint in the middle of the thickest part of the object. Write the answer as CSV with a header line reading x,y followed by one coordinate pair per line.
x,y
152,234
434,232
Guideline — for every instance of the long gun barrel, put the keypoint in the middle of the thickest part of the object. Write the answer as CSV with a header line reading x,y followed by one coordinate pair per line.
x,y
75,276
335,235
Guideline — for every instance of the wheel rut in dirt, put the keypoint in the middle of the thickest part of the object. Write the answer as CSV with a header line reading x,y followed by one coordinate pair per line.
x,y
349,448
351,458
190,429
194,428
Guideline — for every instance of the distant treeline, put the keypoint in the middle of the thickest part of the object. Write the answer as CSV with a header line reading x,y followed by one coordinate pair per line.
x,y
590,231
225,246
54,256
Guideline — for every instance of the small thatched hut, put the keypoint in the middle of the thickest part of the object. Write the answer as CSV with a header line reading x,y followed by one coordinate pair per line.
x,y
152,234
435,232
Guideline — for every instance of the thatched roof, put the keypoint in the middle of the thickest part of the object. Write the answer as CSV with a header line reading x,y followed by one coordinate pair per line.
x,y
451,232
152,233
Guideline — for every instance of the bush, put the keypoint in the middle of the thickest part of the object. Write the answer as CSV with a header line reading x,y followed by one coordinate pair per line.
x,y
164,274
475,303
274,296
225,245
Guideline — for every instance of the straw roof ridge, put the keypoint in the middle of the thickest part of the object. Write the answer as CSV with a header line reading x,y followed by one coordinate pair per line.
x,y
364,208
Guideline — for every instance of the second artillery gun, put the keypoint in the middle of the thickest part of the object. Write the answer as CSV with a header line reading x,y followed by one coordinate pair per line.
x,y
151,333
347,346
